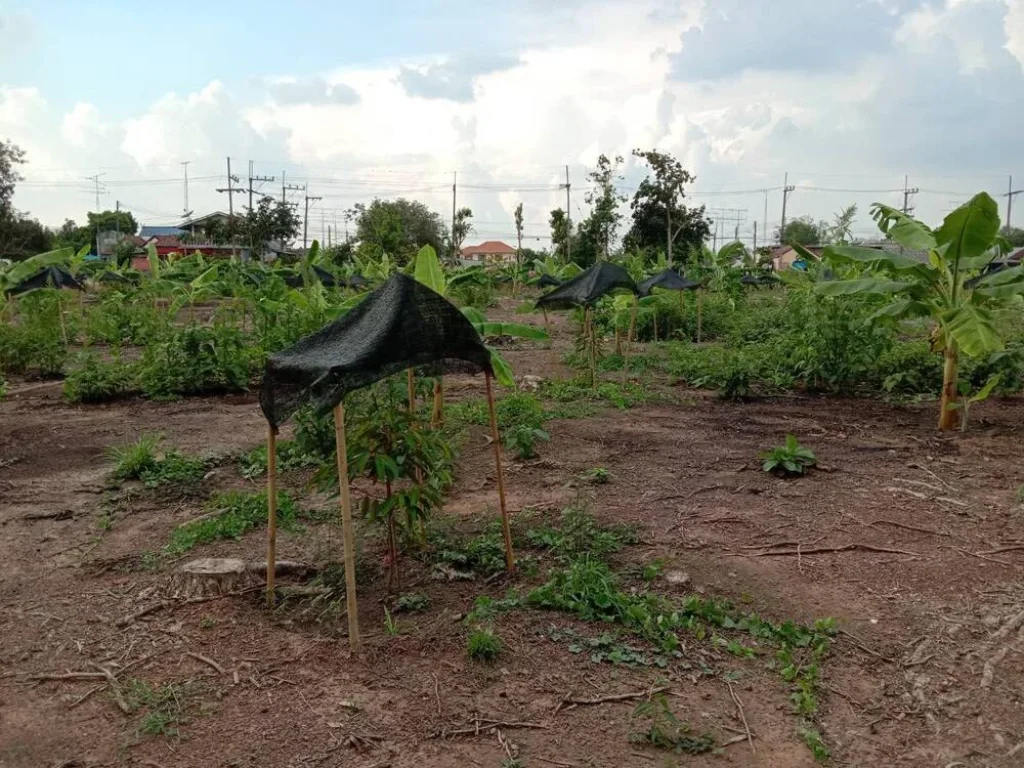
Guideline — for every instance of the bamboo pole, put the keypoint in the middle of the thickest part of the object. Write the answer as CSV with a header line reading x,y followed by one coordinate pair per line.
x,y
506,531
592,341
346,527
271,512
629,339
700,305
412,390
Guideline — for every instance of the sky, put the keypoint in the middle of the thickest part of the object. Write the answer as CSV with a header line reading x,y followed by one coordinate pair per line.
x,y
853,99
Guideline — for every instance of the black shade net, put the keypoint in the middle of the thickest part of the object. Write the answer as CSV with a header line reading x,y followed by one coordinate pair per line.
x,y
587,287
668,279
547,281
113,278
47,277
325,277
403,324
759,280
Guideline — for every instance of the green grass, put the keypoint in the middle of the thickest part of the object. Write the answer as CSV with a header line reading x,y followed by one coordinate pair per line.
x,y
483,645
597,476
162,709
141,460
233,514
131,460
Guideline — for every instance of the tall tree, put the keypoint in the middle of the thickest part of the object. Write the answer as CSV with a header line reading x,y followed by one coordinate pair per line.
x,y
559,234
600,226
519,234
271,220
11,156
659,215
398,228
461,228
1014,236
841,231
804,231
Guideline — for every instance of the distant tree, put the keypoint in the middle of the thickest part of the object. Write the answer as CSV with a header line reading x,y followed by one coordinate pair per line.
x,y
124,251
804,231
70,235
597,231
1014,236
112,221
272,220
660,219
398,228
559,234
841,230
11,156
22,237
519,234
460,230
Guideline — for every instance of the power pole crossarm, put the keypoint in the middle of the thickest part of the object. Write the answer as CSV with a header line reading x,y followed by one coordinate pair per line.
x,y
1010,194
305,221
786,189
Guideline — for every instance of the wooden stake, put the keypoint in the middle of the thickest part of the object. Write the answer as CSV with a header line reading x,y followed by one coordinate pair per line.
x,y
346,527
629,339
700,303
271,512
547,328
412,391
506,531
592,336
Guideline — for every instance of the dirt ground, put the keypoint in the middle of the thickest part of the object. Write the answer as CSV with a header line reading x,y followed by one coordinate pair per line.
x,y
911,540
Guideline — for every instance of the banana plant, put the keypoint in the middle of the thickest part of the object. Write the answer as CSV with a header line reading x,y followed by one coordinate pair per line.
x,y
956,286
199,288
427,269
488,328
552,268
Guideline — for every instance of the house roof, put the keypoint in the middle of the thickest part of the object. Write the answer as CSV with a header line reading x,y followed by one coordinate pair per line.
x,y
147,232
201,219
488,247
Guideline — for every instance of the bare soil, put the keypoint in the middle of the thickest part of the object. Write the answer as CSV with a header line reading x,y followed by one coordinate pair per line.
x,y
926,670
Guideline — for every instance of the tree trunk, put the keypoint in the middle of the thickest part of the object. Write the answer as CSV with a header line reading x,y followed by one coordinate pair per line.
x,y
949,418
438,415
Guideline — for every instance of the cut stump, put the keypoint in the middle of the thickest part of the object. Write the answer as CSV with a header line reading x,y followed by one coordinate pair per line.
x,y
213,576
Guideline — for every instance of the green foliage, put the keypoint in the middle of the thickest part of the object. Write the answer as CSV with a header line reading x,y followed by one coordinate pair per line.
x,y
663,729
788,460
95,380
231,515
162,709
483,645
579,533
607,648
131,461
597,476
196,360
483,554
175,469
411,602
289,457
522,440
38,340
606,392
814,742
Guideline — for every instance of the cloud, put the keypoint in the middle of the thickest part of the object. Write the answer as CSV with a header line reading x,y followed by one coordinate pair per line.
x,y
454,78
82,125
787,35
310,90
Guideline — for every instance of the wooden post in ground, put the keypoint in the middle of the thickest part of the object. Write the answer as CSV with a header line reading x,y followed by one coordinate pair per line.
x,y
271,512
506,530
592,343
547,328
412,390
629,338
346,527
700,304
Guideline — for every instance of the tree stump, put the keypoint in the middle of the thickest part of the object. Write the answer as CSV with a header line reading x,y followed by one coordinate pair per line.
x,y
214,576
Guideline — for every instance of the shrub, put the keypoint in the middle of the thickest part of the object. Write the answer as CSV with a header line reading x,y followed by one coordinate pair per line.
x,y
789,460
519,409
130,461
483,645
522,440
196,360
233,514
95,380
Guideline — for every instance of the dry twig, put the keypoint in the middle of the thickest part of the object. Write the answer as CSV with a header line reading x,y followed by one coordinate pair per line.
x,y
843,548
743,717
569,701
206,660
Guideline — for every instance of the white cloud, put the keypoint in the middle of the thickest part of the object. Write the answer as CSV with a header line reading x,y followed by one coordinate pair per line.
x,y
82,125
289,91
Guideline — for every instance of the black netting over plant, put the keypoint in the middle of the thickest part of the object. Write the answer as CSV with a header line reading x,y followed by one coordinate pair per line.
x,y
759,280
355,281
47,277
587,287
547,281
668,279
403,324
325,277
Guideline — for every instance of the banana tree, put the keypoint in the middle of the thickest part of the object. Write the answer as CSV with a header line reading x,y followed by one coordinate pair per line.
x,y
427,269
488,328
960,285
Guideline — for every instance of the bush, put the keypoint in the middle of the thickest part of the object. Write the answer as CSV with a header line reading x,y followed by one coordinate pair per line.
x,y
522,440
37,340
196,360
519,409
95,380
483,645
909,369
234,514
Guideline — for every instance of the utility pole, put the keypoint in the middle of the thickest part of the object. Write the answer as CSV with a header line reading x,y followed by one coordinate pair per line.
x,y
455,179
95,179
764,231
786,189
253,179
568,217
186,213
305,221
907,192
1010,193
231,190
755,236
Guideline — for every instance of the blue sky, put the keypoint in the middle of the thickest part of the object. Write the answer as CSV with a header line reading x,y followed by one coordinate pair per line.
x,y
389,98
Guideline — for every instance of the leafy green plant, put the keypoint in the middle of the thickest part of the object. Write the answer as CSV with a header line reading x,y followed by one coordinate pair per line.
x,y
483,554
522,440
95,380
162,709
483,645
788,460
954,287
390,624
664,730
579,533
174,468
814,742
597,476
411,603
196,360
231,515
968,396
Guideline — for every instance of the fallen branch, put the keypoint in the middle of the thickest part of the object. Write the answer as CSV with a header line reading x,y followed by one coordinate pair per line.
x,y
1009,548
68,676
843,548
917,528
206,660
981,556
115,689
860,644
482,725
743,717
569,702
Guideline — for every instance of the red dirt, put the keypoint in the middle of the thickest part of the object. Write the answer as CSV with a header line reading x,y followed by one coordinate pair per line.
x,y
902,685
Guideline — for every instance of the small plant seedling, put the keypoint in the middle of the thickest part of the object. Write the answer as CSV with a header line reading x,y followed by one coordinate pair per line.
x,y
653,569
597,476
411,603
665,730
789,460
207,622
522,440
390,625
483,644
963,388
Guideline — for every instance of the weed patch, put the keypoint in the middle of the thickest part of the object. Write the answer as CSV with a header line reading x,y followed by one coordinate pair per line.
x,y
232,515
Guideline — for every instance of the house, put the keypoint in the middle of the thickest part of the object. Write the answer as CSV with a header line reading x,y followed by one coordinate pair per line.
x,y
784,256
488,252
